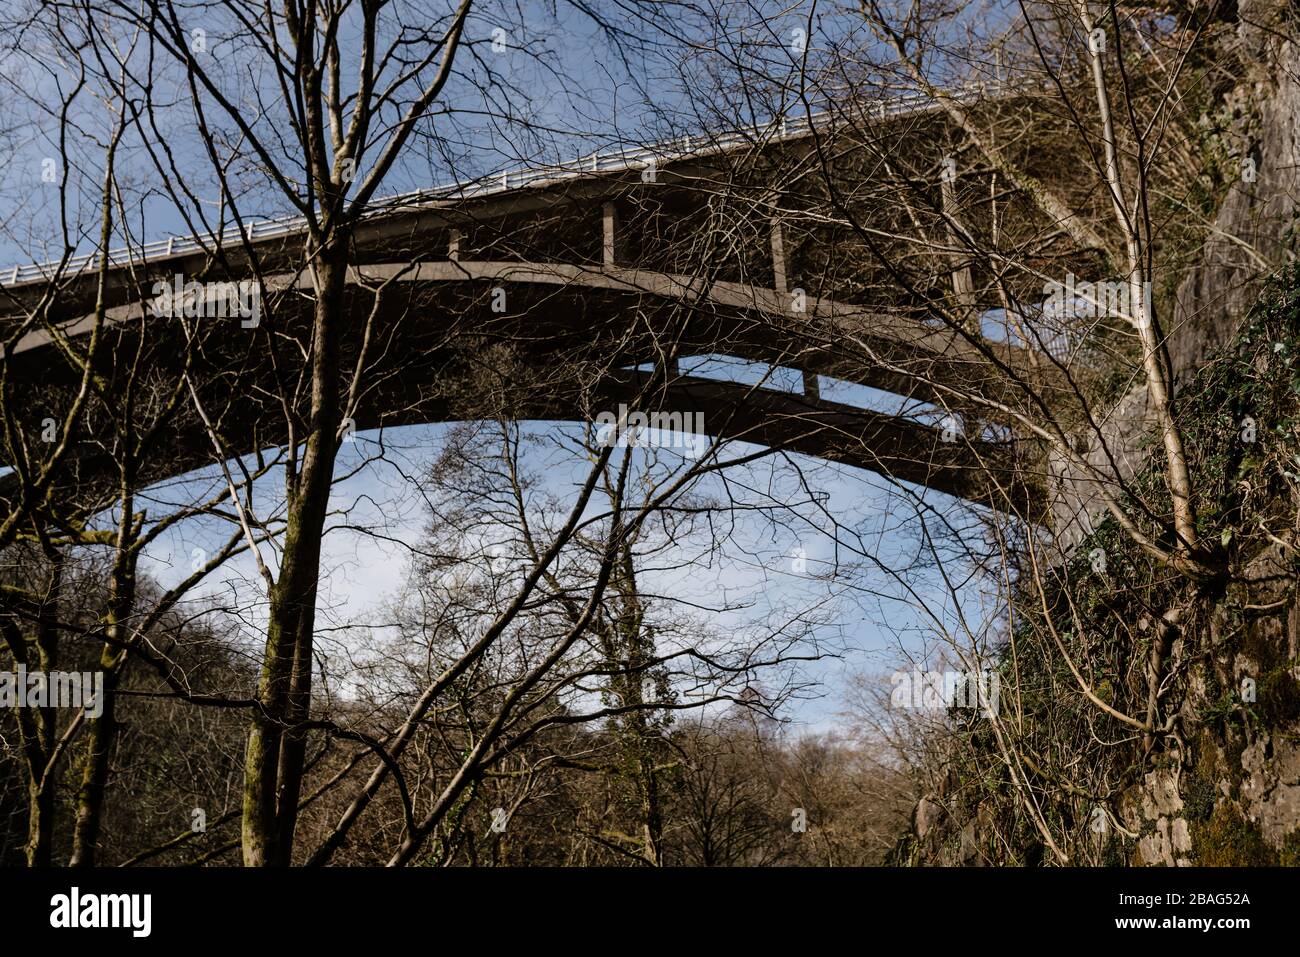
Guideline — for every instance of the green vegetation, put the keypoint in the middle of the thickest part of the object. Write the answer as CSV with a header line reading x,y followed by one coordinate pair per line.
x,y
1241,413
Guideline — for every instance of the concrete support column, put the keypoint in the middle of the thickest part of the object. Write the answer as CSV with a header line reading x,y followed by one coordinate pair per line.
x,y
609,222
453,245
781,284
963,284
778,258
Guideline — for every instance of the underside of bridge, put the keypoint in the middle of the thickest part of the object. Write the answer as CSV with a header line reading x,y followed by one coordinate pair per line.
x,y
567,347
557,303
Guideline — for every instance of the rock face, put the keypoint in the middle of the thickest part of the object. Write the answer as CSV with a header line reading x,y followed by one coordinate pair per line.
x,y
1119,451
1262,120
1257,780
1245,799
1231,794
1155,812
1254,232
1227,795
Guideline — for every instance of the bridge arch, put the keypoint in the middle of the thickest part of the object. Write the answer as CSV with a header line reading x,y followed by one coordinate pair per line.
x,y
753,323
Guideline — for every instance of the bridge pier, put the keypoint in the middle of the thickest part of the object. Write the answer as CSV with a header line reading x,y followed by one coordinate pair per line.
x,y
609,224
811,387
963,284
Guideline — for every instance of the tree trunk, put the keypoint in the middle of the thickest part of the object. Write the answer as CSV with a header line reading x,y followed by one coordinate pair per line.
x,y
276,743
103,730
40,790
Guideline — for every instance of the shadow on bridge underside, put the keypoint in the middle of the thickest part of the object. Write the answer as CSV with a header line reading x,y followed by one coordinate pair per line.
x,y
576,334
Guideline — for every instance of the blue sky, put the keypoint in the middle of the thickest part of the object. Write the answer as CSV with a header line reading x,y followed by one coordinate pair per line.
x,y
531,88
765,572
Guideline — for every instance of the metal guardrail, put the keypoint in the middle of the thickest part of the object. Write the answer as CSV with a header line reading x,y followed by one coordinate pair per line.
x,y
521,177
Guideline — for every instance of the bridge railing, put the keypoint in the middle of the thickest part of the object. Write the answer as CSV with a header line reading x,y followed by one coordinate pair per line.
x,y
520,177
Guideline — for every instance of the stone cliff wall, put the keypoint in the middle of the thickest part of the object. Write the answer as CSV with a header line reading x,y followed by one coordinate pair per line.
x,y
1226,789
1256,139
